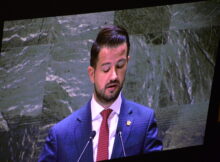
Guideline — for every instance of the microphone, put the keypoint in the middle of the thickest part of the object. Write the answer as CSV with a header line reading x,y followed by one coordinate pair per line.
x,y
119,132
92,135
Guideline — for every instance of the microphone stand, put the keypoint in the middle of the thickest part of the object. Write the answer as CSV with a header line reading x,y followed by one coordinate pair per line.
x,y
92,135
123,148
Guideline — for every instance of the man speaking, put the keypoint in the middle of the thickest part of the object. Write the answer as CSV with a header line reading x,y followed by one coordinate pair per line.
x,y
108,126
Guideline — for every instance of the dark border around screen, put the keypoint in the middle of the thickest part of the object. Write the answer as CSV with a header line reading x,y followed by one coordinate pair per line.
x,y
35,9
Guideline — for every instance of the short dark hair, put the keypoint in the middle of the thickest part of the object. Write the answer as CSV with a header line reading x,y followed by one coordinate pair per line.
x,y
110,36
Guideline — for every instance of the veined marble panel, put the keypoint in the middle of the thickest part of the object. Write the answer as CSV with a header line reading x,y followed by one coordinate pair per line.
x,y
43,71
22,73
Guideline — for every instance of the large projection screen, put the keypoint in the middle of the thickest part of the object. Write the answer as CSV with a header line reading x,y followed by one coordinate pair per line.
x,y
43,71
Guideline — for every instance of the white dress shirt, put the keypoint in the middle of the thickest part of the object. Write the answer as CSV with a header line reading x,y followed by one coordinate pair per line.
x,y
96,109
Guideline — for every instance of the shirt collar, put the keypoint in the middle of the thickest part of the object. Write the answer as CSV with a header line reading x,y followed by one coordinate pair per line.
x,y
96,108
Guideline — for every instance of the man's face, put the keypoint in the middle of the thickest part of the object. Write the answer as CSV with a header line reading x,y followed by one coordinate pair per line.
x,y
109,75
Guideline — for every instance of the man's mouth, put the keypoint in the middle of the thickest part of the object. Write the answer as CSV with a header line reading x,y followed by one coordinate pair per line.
x,y
112,86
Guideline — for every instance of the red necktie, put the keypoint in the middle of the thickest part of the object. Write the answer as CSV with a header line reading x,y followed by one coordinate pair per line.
x,y
102,153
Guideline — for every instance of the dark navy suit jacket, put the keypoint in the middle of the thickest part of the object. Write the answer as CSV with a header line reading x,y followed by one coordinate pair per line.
x,y
67,138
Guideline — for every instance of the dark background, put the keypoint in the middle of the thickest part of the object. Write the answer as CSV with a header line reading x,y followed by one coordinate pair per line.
x,y
38,10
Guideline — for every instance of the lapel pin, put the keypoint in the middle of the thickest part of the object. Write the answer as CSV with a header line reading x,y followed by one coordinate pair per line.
x,y
128,123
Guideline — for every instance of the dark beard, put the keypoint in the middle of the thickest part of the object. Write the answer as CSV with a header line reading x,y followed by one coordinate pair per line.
x,y
107,99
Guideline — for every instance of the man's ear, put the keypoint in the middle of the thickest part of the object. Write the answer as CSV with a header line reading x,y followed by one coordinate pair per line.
x,y
91,73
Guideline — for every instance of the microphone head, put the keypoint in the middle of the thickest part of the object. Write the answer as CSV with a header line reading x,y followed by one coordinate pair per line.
x,y
92,135
118,131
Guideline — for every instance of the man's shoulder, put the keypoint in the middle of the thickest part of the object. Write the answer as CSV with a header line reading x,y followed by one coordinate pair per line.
x,y
139,108
141,113
70,120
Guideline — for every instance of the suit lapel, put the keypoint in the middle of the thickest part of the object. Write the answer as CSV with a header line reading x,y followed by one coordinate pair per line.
x,y
124,124
82,132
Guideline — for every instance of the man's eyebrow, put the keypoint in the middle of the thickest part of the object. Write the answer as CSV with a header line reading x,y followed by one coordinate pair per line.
x,y
104,64
123,59
108,63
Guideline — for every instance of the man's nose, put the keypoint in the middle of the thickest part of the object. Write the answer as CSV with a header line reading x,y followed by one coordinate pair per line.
x,y
113,74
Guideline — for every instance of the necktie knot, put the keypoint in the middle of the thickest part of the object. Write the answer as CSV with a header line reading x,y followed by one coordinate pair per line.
x,y
105,113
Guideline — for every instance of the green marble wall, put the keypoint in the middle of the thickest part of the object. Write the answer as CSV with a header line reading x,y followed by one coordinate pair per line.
x,y
43,71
